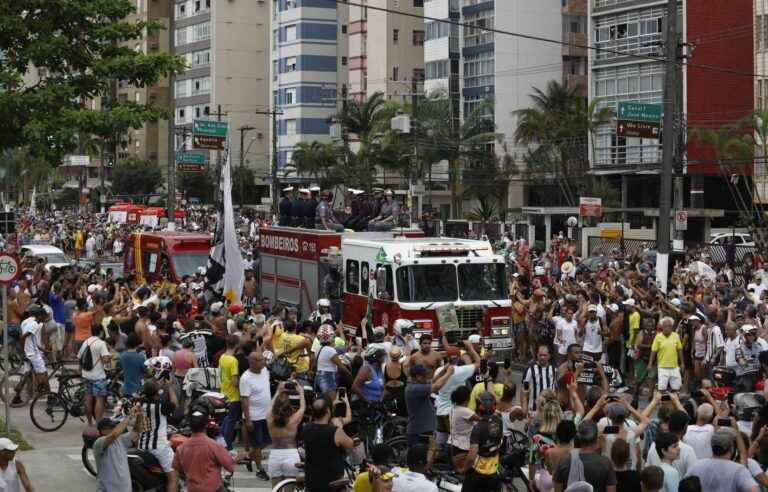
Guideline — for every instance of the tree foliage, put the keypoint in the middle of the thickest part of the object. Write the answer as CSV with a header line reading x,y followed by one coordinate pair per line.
x,y
198,185
81,47
314,159
134,176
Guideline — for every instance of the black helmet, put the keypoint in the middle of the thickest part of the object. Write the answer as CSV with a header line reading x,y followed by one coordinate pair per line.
x,y
486,403
373,353
35,310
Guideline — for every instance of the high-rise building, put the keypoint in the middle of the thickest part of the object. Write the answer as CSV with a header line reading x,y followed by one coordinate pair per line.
x,y
761,94
150,142
225,45
715,88
308,71
386,49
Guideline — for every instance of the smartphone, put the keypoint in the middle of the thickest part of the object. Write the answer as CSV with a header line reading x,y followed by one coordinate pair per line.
x,y
611,429
339,409
666,397
724,422
342,392
290,386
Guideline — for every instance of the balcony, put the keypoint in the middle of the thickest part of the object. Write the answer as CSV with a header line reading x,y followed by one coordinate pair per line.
x,y
573,81
575,38
575,7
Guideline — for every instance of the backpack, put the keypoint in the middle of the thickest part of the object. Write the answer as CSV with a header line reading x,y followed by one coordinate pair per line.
x,y
86,360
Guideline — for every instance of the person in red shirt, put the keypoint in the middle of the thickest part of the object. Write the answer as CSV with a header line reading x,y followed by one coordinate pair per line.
x,y
200,459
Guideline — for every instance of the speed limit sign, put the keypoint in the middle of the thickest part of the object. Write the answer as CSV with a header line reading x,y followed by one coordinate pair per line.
x,y
10,268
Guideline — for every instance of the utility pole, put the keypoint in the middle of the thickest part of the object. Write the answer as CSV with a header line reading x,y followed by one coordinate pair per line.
x,y
243,129
668,147
171,169
275,188
417,211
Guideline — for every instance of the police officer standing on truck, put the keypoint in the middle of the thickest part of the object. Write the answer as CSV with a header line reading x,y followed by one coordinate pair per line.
x,y
298,209
285,207
310,208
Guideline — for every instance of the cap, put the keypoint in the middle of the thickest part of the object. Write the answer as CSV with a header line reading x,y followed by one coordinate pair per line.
x,y
216,307
395,353
388,192
8,445
355,191
676,301
304,191
693,317
377,190
474,338
235,309
92,288
613,307
453,351
591,308
288,188
106,423
747,328
259,318
314,188
615,410
629,302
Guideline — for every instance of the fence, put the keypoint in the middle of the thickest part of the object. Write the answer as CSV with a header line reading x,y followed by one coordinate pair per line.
x,y
603,246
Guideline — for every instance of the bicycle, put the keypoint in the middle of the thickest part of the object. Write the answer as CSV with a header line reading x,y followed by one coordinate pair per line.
x,y
20,382
380,425
49,411
297,484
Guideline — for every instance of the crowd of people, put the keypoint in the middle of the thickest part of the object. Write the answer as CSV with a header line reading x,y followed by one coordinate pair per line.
x,y
623,387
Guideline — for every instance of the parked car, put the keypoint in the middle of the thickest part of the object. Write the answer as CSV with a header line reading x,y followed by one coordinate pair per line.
x,y
741,238
54,257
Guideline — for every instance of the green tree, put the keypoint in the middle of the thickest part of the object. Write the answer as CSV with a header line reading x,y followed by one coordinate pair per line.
x,y
23,171
200,185
80,47
134,176
314,159
244,190
556,126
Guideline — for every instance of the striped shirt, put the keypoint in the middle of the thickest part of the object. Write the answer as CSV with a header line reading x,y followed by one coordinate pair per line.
x,y
536,380
714,343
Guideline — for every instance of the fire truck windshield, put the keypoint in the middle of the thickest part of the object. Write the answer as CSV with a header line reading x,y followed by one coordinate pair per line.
x,y
482,281
427,283
187,263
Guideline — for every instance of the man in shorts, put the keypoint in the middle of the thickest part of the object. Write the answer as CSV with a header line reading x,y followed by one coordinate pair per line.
x,y
667,349
159,402
31,333
95,377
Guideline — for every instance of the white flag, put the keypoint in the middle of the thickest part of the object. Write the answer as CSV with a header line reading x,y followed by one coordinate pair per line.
x,y
226,268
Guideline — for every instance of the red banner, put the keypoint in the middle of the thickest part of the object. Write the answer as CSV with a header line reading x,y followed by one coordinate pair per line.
x,y
306,246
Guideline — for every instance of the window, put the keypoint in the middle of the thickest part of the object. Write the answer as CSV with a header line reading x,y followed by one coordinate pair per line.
x,y
290,64
437,69
343,61
395,36
575,27
426,283
418,38
418,3
201,85
290,4
182,88
290,96
760,95
290,127
181,10
478,281
388,291
343,29
364,277
479,70
476,28
201,58
352,284
395,72
759,37
418,74
198,5
201,32
181,36
290,33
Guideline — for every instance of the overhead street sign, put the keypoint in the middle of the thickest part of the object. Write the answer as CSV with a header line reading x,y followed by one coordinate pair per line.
x,y
189,168
207,134
635,111
190,158
639,129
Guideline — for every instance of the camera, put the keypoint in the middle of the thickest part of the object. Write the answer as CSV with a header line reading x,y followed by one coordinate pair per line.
x,y
290,386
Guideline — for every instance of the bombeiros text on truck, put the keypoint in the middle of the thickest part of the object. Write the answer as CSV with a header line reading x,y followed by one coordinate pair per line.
x,y
406,276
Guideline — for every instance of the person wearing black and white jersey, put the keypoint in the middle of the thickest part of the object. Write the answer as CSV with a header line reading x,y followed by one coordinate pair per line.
x,y
751,346
538,377
404,336
158,402
323,313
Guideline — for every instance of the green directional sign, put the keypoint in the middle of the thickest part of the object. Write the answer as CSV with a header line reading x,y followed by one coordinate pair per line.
x,y
635,111
207,134
190,158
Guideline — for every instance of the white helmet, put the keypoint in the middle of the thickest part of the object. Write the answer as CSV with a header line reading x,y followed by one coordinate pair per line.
x,y
539,271
159,366
321,303
403,327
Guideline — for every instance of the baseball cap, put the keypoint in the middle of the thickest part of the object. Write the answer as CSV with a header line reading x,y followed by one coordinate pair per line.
x,y
630,302
592,308
615,410
474,338
216,307
235,309
8,445
693,317
106,423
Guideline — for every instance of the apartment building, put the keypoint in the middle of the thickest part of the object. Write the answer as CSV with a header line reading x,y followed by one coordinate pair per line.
x,y
150,142
715,88
760,23
308,71
386,49
226,48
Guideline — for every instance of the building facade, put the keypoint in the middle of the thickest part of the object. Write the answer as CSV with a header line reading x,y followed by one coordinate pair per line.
x,y
226,47
308,71
760,23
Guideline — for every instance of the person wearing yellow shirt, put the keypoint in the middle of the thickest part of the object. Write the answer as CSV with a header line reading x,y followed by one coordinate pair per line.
x,y
381,456
294,348
667,350
230,388
79,244
490,382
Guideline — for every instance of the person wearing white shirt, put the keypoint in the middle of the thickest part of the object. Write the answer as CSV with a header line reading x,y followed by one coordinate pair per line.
x,y
715,343
565,332
95,378
413,479
732,344
678,424
699,435
256,398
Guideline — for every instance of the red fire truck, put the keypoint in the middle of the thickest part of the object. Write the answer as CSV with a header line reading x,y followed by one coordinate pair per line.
x,y
166,255
461,282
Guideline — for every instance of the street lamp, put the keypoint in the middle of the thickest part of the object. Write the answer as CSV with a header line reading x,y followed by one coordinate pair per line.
x,y
243,129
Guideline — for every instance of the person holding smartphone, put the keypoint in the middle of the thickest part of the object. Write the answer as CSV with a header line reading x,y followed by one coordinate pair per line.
x,y
283,425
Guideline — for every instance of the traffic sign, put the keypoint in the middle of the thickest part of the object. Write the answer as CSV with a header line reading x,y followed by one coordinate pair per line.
x,y
636,111
190,158
681,220
590,207
189,168
10,268
207,134
639,129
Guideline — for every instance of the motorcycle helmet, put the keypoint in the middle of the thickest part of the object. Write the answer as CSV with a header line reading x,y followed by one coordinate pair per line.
x,y
373,353
378,334
213,405
486,404
323,305
159,367
35,310
539,271
403,327
325,334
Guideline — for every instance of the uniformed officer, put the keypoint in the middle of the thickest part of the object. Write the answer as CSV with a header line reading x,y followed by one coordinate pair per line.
x,y
285,207
310,208
298,209
325,219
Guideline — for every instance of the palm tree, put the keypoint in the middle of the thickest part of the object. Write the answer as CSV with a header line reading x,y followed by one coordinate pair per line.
x,y
360,118
313,159
558,124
